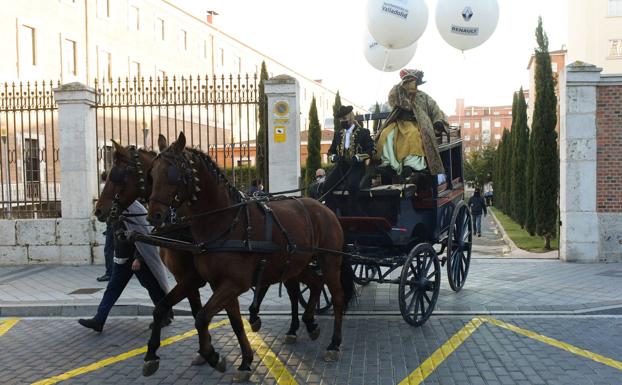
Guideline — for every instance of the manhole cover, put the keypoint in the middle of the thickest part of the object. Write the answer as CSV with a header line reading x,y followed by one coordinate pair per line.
x,y
86,291
611,273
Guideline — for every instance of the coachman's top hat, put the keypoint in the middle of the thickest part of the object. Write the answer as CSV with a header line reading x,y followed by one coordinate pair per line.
x,y
344,111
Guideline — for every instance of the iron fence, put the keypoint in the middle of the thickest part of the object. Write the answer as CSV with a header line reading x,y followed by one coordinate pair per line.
x,y
218,114
29,153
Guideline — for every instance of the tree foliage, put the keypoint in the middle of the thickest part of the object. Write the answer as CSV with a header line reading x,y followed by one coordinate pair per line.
x,y
478,167
313,144
376,122
519,159
336,107
262,137
545,156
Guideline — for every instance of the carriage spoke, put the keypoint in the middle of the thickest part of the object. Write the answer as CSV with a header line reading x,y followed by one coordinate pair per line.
x,y
304,290
410,292
422,305
414,301
428,300
325,296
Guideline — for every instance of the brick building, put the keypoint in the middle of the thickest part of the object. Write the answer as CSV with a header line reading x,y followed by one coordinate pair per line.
x,y
481,126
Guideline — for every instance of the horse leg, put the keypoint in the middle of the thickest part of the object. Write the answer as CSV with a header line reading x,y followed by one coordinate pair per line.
x,y
162,309
331,266
293,291
244,370
254,318
221,296
194,298
315,283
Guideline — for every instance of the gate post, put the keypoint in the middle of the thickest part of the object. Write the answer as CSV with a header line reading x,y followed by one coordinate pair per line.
x,y
283,95
579,235
78,150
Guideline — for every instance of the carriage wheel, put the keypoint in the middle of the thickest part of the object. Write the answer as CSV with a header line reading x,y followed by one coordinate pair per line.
x,y
420,283
364,273
459,245
323,305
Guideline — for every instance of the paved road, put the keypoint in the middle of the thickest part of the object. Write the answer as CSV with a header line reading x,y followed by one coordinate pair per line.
x,y
376,350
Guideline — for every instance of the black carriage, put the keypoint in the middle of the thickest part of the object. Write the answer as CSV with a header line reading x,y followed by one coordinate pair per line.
x,y
415,228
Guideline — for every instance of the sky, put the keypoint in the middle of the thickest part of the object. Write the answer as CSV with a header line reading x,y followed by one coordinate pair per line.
x,y
323,39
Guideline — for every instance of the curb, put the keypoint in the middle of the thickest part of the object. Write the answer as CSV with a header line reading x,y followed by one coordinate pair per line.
x,y
505,236
129,310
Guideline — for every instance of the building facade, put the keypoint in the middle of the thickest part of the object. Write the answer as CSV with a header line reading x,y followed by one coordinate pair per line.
x,y
481,126
558,64
595,33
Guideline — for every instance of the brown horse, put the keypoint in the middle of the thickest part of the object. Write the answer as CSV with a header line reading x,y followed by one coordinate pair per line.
x,y
299,227
128,181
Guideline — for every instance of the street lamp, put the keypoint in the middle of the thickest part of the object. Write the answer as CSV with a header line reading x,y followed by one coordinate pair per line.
x,y
5,156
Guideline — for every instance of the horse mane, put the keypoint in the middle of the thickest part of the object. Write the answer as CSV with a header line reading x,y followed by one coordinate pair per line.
x,y
221,177
148,152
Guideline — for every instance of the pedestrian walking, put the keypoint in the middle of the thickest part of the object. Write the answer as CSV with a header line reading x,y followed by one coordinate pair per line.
x,y
109,245
478,207
132,258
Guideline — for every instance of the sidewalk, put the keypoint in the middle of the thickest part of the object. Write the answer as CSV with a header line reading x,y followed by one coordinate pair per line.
x,y
493,286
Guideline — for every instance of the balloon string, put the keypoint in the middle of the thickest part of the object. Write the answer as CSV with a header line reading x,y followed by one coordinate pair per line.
x,y
379,83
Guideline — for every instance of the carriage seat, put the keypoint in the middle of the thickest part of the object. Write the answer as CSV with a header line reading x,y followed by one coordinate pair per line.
x,y
390,190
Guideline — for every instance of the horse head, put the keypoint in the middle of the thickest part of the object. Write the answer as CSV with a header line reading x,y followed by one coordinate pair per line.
x,y
127,180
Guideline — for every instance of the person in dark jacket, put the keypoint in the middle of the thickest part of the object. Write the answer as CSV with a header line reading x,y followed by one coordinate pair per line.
x,y
351,147
478,207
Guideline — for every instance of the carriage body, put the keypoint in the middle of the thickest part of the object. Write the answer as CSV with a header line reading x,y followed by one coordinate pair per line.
x,y
408,227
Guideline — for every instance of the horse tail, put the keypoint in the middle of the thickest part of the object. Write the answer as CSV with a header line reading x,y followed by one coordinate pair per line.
x,y
347,281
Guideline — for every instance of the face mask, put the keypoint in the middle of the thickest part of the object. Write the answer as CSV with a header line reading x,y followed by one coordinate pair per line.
x,y
411,86
345,124
261,187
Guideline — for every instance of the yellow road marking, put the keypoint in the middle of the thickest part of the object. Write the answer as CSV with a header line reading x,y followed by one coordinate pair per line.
x,y
558,344
7,324
269,359
121,357
433,362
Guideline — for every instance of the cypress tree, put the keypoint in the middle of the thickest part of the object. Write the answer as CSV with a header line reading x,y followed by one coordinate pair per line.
x,y
501,171
314,136
507,172
545,157
530,219
261,145
377,121
336,107
511,185
519,159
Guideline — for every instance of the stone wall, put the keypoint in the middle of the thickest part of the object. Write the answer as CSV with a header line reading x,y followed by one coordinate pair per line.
x,y
51,241
590,165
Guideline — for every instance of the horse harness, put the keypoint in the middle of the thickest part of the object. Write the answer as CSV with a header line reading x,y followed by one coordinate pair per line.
x,y
119,177
182,173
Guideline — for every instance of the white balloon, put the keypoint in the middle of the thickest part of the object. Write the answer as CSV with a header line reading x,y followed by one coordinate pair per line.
x,y
396,24
466,24
385,59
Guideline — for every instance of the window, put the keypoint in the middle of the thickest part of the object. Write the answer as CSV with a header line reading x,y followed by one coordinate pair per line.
x,y
104,66
554,67
160,30
204,49
467,124
615,8
615,48
475,113
468,113
238,64
103,8
134,18
476,137
183,39
498,136
31,167
222,56
69,57
476,124
496,113
27,46
497,124
467,137
134,70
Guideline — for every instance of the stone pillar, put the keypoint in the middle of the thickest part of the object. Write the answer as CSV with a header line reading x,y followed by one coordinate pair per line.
x,y
283,133
78,150
579,238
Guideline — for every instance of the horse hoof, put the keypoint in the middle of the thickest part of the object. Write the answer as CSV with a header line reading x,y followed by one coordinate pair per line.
x,y
242,376
314,334
221,366
198,360
255,326
150,367
290,339
331,355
